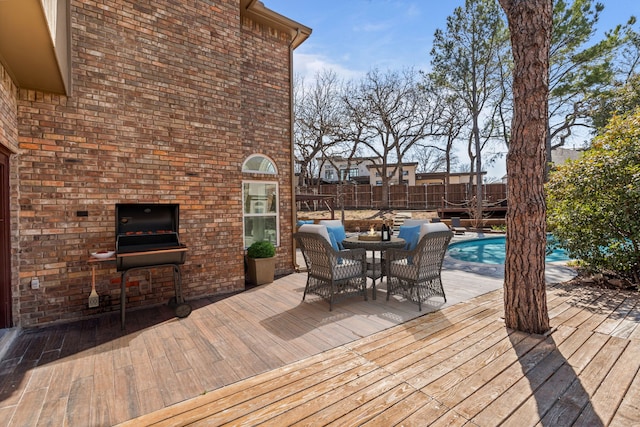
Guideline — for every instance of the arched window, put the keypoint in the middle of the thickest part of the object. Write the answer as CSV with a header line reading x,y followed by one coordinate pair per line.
x,y
260,201
257,163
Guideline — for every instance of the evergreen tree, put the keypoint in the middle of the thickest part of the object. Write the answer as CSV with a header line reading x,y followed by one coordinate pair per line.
x,y
530,24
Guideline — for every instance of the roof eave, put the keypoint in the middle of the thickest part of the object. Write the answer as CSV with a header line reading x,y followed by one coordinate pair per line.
x,y
34,43
256,11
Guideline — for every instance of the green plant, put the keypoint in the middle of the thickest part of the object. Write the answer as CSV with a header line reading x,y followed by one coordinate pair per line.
x,y
593,201
262,249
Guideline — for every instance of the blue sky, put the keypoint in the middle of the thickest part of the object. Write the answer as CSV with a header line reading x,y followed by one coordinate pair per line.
x,y
353,36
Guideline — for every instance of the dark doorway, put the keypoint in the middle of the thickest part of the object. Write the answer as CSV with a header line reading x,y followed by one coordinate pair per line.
x,y
5,243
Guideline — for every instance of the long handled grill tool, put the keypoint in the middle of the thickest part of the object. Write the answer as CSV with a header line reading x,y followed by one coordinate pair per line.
x,y
94,299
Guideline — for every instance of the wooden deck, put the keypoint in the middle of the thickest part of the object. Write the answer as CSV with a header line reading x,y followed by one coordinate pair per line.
x,y
262,356
458,366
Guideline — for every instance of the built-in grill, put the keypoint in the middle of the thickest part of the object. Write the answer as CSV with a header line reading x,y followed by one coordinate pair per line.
x,y
147,236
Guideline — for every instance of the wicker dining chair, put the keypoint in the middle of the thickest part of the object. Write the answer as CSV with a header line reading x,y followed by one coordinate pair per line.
x,y
332,274
416,274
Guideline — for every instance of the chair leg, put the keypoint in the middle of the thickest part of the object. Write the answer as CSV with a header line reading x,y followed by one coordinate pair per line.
x,y
331,298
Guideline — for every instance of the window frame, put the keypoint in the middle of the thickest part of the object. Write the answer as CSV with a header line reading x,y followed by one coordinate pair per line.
x,y
349,174
328,174
271,163
267,214
266,168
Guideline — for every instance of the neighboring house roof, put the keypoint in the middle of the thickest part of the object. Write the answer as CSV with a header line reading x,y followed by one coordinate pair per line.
x,y
426,175
560,155
353,160
392,165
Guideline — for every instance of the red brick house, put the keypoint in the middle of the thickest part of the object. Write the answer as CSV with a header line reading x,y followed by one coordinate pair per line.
x,y
138,101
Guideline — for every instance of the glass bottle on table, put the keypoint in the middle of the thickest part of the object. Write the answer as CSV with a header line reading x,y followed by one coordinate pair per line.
x,y
385,232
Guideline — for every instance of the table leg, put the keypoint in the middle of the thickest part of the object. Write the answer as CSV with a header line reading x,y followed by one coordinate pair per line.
x,y
373,269
123,297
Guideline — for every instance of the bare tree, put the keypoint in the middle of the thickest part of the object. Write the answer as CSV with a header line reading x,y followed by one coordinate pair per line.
x,y
530,24
317,113
388,114
466,60
431,159
452,124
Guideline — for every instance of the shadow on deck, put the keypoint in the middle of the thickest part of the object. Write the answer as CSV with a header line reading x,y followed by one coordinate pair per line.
x,y
263,355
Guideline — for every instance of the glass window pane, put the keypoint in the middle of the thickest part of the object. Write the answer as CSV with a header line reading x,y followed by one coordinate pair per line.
x,y
259,164
260,208
260,198
260,228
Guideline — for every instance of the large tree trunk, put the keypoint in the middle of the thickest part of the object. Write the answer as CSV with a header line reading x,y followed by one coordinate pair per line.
x,y
530,23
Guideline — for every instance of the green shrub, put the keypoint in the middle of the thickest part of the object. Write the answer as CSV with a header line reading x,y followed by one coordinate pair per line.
x,y
262,249
592,202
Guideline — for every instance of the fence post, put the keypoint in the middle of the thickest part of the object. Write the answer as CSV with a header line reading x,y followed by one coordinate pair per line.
x,y
426,196
406,190
355,195
370,195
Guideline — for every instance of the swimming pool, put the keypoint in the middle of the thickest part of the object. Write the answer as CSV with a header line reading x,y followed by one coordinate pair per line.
x,y
491,250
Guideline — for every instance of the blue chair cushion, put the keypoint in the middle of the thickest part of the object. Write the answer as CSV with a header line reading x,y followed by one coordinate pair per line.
x,y
410,234
334,243
338,233
304,221
332,239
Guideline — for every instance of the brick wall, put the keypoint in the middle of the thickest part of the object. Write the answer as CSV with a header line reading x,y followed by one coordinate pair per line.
x,y
9,143
266,116
8,118
168,99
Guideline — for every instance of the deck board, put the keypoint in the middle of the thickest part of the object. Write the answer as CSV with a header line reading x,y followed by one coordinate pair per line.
x,y
487,391
567,394
627,413
464,380
606,399
473,370
264,357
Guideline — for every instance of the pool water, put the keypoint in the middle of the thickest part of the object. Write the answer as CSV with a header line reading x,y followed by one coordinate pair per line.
x,y
491,250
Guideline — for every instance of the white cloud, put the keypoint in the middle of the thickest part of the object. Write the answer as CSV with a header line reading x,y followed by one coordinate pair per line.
x,y
372,27
308,65
413,11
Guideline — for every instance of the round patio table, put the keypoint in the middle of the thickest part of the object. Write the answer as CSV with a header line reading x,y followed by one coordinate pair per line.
x,y
374,246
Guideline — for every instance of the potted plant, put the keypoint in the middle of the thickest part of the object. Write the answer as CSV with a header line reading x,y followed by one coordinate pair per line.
x,y
261,262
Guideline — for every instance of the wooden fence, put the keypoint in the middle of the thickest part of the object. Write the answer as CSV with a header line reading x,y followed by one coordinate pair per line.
x,y
417,197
